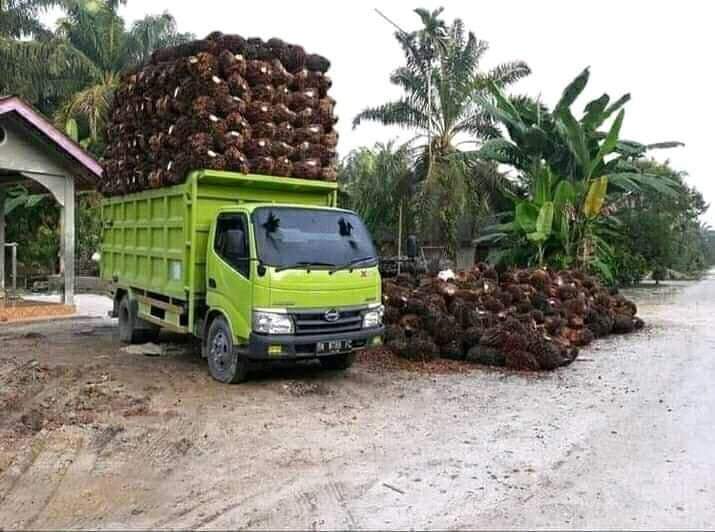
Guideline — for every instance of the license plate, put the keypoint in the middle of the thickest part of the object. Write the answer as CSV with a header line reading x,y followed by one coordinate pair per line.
x,y
334,346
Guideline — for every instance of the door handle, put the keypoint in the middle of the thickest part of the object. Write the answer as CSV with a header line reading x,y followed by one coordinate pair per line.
x,y
212,283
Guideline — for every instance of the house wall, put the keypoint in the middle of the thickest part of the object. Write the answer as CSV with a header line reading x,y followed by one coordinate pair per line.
x,y
21,150
23,153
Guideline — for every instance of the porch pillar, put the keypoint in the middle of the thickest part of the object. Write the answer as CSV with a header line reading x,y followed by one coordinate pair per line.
x,y
2,241
68,238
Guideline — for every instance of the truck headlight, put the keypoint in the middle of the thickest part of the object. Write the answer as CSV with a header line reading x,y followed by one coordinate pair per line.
x,y
373,317
272,323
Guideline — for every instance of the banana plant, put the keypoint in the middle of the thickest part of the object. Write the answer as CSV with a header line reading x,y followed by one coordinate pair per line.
x,y
543,218
571,163
573,149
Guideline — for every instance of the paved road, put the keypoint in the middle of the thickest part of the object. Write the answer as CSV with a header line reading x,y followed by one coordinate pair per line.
x,y
623,438
638,448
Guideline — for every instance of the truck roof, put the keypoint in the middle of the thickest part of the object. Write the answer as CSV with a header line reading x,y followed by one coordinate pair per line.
x,y
253,206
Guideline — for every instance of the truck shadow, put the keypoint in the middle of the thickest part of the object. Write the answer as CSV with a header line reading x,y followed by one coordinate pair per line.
x,y
292,370
186,352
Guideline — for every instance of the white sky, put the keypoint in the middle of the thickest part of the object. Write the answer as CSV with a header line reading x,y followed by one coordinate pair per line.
x,y
659,51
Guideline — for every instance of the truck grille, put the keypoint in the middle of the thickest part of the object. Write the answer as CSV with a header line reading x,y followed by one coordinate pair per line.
x,y
314,322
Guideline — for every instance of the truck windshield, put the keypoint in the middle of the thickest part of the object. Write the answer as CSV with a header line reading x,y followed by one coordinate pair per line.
x,y
300,237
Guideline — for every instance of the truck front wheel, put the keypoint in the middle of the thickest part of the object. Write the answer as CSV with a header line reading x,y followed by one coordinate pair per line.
x,y
225,364
342,361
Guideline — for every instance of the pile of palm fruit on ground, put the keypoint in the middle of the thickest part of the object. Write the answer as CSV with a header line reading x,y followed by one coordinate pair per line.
x,y
221,103
527,319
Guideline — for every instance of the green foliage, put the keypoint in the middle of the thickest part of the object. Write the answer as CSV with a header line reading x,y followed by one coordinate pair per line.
x,y
18,196
69,73
21,18
375,182
34,227
35,222
571,166
89,232
661,233
440,80
572,149
72,72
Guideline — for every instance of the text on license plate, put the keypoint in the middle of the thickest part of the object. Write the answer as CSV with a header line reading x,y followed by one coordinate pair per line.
x,y
334,346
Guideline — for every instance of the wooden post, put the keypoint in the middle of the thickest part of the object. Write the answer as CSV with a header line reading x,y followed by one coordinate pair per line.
x,y
68,239
2,241
399,240
14,270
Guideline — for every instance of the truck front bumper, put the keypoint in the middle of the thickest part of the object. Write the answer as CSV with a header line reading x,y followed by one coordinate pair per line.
x,y
277,347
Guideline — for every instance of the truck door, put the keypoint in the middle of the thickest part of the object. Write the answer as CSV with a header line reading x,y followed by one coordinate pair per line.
x,y
229,272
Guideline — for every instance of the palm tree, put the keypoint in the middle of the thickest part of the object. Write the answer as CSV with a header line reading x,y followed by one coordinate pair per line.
x,y
20,18
100,35
376,182
73,71
441,80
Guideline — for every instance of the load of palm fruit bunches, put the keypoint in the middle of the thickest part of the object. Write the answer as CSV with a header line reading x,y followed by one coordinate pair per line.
x,y
221,103
526,319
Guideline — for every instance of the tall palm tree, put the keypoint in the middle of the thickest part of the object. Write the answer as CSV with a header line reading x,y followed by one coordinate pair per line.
x,y
73,71
100,35
444,58
21,18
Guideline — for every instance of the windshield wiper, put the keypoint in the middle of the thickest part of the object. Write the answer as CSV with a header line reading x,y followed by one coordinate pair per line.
x,y
303,264
351,264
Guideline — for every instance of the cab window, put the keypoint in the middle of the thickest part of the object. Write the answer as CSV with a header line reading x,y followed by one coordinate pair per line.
x,y
231,242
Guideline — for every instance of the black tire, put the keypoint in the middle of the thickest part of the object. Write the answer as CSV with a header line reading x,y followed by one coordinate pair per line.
x,y
133,330
126,321
225,364
341,361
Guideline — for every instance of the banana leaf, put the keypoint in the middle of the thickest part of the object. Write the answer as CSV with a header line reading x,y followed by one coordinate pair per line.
x,y
615,106
635,182
565,194
575,138
542,187
572,91
72,129
609,144
536,237
526,215
545,220
602,268
593,111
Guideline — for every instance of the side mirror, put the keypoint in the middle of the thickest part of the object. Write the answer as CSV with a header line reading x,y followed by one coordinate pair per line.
x,y
411,246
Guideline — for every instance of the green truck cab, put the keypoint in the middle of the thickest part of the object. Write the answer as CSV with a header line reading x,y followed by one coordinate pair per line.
x,y
257,267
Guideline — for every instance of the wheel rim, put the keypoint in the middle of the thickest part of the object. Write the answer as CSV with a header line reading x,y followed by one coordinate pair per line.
x,y
220,351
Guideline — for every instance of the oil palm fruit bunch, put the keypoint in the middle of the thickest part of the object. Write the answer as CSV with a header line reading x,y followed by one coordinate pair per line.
x,y
224,102
525,319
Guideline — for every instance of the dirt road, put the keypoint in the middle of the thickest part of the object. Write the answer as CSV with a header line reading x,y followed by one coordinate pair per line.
x,y
91,436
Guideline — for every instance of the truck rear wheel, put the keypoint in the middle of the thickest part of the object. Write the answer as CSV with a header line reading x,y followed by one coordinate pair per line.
x,y
225,364
342,361
133,330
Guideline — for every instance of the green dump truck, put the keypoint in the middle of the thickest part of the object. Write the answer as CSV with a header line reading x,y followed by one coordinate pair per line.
x,y
257,267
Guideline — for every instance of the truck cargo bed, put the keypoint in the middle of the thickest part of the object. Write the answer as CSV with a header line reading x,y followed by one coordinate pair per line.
x,y
155,240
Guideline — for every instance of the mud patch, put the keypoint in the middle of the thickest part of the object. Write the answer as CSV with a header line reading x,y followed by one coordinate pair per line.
x,y
34,397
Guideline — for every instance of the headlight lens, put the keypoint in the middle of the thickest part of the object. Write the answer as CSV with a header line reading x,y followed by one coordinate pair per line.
x,y
373,317
272,323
